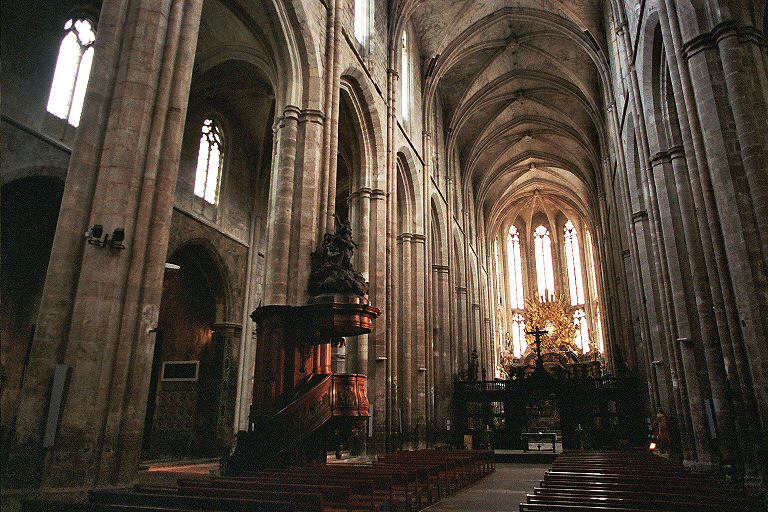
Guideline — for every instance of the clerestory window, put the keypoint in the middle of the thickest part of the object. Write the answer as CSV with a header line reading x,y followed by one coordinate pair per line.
x,y
73,66
362,17
209,162
405,77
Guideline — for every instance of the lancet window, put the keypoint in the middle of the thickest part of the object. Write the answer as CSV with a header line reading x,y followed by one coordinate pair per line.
x,y
73,66
209,162
515,264
362,17
545,274
573,260
497,260
405,77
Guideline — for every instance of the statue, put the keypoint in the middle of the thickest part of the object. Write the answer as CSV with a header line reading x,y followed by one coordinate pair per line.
x,y
332,271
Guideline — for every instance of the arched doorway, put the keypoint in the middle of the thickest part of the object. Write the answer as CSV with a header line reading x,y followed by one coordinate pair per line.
x,y
30,210
185,398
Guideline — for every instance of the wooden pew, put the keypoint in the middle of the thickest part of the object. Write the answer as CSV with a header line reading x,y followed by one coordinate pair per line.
x,y
60,506
336,494
631,481
171,499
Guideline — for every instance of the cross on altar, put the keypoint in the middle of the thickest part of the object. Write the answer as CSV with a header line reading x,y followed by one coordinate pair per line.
x,y
537,334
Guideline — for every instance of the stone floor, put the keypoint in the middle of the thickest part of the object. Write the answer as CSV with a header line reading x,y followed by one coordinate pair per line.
x,y
500,491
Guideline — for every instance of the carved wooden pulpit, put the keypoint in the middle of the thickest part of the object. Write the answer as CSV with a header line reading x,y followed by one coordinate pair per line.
x,y
299,406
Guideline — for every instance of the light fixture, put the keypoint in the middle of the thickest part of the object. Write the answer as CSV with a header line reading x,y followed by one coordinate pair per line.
x,y
95,236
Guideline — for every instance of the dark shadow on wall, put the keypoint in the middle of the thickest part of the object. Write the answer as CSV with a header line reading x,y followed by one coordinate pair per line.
x,y
30,210
183,402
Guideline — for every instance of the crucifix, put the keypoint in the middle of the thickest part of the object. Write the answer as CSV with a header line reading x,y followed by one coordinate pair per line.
x,y
537,334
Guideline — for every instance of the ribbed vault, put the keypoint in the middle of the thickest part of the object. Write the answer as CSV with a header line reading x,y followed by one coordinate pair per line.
x,y
519,86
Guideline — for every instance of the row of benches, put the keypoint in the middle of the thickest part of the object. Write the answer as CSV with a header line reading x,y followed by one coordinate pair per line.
x,y
631,481
396,482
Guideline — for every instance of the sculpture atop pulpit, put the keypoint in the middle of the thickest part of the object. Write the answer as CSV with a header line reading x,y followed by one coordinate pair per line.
x,y
332,272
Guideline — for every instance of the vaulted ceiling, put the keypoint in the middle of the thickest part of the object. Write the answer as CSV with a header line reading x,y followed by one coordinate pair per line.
x,y
520,84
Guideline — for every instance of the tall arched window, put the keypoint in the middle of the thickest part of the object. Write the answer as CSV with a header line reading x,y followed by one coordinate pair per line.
x,y
592,280
405,77
499,280
582,332
573,260
209,162
73,66
518,334
362,17
545,275
515,263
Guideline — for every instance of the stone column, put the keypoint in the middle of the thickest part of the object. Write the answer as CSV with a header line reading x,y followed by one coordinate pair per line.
x,y
734,230
677,289
405,350
708,327
462,343
281,209
742,54
305,205
419,337
226,344
477,341
443,357
363,198
742,51
377,349
723,304
100,304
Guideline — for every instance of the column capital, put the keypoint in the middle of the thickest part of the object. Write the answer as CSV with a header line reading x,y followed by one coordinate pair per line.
x,y
660,158
362,192
291,111
639,216
377,193
729,28
312,116
676,152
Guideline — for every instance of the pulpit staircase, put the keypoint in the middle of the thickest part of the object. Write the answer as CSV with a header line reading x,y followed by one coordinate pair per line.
x,y
321,412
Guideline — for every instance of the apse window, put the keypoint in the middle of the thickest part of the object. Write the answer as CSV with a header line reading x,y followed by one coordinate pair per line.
x,y
73,66
515,264
209,162
362,17
405,77
545,275
573,259
582,332
497,260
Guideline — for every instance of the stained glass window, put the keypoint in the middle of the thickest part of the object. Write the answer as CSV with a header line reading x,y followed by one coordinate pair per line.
x,y
545,275
573,260
515,263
